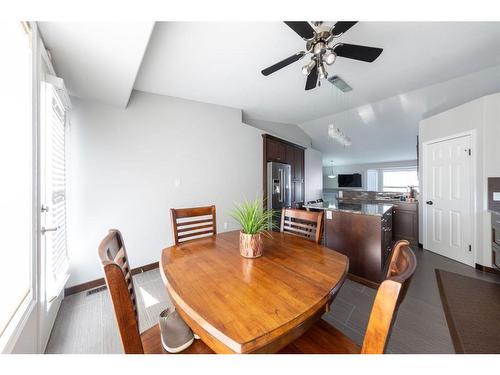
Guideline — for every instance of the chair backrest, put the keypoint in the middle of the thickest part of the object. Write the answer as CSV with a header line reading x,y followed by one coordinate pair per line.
x,y
193,223
114,262
389,296
308,224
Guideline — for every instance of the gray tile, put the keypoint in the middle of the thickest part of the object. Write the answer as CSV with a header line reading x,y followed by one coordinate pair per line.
x,y
86,324
357,337
341,309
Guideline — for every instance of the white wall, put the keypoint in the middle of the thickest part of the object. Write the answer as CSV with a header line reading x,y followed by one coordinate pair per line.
x,y
314,174
483,116
124,164
332,183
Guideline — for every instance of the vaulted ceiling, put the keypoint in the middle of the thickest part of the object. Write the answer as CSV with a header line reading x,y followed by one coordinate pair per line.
x,y
220,63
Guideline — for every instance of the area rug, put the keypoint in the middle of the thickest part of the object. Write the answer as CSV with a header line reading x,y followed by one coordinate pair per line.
x,y
472,310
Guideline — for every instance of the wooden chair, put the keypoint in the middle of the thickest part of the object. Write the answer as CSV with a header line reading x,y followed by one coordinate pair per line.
x,y
114,261
302,223
193,223
323,338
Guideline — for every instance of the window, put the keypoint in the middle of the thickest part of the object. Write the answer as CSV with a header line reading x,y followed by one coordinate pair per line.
x,y
16,171
372,180
398,180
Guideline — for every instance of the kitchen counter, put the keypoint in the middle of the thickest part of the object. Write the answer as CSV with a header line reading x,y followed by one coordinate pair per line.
x,y
355,208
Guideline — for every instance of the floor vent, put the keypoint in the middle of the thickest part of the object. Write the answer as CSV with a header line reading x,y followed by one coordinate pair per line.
x,y
96,290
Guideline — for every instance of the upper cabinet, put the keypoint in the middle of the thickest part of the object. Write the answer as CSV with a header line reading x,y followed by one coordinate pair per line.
x,y
276,149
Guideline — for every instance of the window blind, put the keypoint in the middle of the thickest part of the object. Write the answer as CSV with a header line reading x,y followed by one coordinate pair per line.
x,y
57,261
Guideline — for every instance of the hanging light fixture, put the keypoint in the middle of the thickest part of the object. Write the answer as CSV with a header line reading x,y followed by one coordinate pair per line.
x,y
338,135
332,173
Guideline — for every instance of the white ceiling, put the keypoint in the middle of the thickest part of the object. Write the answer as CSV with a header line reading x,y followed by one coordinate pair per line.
x,y
97,60
387,130
220,63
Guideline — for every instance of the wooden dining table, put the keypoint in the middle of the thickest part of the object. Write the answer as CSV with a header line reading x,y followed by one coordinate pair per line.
x,y
240,305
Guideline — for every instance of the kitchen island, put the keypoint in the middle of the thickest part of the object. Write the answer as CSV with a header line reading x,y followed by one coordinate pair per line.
x,y
362,232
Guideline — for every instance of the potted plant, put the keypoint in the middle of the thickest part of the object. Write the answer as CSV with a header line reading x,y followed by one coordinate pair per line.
x,y
255,222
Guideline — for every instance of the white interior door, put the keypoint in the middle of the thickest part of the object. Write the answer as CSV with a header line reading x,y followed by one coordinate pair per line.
x,y
448,198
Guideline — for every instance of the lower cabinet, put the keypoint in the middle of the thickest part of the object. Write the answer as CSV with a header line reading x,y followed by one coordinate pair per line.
x,y
365,239
405,222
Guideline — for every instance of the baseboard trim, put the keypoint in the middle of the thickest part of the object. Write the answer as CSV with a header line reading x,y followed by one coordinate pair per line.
x,y
100,282
480,267
362,280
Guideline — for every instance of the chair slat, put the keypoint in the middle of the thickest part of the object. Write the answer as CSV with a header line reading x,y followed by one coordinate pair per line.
x,y
307,224
302,225
187,230
188,235
296,230
181,230
185,223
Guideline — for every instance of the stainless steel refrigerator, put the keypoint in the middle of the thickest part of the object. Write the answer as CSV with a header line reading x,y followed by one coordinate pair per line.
x,y
279,187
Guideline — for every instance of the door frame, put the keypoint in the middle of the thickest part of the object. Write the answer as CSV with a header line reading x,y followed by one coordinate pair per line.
x,y
473,190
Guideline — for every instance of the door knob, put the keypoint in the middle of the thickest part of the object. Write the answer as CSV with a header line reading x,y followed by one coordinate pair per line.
x,y
430,202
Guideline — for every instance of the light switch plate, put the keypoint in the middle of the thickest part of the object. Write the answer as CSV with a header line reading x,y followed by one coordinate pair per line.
x,y
329,215
496,196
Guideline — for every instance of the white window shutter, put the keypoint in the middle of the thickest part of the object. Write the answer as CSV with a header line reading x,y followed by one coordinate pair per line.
x,y
56,257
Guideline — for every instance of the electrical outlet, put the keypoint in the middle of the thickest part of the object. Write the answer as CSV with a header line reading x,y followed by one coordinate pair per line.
x,y
225,225
177,182
329,215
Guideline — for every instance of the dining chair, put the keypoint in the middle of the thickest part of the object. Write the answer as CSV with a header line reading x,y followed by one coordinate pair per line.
x,y
302,223
323,338
193,223
118,276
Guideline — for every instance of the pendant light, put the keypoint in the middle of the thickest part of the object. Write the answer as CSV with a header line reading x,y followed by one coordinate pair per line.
x,y
332,174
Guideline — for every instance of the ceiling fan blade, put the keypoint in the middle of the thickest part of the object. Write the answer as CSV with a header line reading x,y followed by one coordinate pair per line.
x,y
342,26
339,83
312,78
303,28
353,51
283,63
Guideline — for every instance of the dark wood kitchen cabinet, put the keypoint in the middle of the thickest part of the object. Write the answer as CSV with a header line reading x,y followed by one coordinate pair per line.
x,y
365,239
276,149
405,222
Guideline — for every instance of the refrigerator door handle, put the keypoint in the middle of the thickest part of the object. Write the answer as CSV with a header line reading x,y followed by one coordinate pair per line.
x,y
282,187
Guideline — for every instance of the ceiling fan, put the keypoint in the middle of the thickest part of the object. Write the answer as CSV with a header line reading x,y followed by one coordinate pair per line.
x,y
320,42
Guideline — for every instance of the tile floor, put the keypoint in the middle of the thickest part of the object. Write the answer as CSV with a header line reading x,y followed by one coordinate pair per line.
x,y
85,324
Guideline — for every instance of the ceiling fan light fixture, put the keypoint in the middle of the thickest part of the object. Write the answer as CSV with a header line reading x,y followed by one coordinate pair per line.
x,y
329,58
321,43
338,135
319,48
306,69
